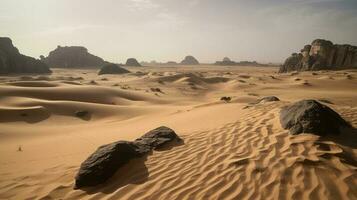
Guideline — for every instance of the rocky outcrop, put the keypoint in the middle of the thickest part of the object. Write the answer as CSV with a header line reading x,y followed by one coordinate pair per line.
x,y
310,116
132,62
321,55
228,62
72,57
11,61
190,60
112,69
107,159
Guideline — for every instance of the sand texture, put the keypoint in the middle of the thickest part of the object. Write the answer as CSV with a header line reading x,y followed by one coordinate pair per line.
x,y
234,150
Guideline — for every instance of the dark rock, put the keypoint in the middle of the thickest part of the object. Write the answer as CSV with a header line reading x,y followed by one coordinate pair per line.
x,y
72,57
104,162
11,61
112,69
268,99
190,60
132,62
226,99
81,113
310,116
107,159
226,62
322,55
156,90
171,63
157,138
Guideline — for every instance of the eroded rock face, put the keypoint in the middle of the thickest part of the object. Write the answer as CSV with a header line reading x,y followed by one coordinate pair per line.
x,y
11,61
112,69
72,57
310,116
322,55
190,60
132,62
107,159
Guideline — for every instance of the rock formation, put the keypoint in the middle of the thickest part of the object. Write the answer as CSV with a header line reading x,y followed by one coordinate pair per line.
x,y
72,57
321,55
171,63
228,62
107,159
190,60
132,62
112,69
310,116
11,61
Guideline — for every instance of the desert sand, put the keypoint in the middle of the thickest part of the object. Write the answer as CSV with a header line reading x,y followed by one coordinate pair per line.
x,y
233,150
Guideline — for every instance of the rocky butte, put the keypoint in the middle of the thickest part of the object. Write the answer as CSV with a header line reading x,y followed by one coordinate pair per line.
x,y
72,57
11,61
322,55
190,60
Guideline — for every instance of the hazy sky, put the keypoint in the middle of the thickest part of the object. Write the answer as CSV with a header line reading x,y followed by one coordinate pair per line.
x,y
163,30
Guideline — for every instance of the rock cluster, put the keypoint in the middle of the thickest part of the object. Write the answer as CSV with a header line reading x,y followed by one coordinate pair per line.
x,y
72,57
11,61
190,60
310,116
112,69
107,159
132,62
321,55
228,62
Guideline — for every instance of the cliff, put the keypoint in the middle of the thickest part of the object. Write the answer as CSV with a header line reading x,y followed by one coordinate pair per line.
x,y
322,55
11,61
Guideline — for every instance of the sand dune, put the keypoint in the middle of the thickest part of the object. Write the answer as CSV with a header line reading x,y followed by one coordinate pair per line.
x,y
230,151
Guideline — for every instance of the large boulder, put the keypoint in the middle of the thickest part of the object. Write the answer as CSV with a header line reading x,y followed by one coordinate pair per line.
x,y
157,138
11,61
310,116
107,159
322,55
190,60
72,57
104,162
132,62
112,69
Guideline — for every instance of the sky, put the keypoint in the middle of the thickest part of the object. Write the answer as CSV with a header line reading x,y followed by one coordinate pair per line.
x,y
168,30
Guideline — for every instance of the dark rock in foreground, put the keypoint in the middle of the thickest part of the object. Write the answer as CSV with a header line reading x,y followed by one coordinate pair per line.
x,y
310,116
11,61
112,69
190,60
107,159
157,138
322,55
104,162
132,62
72,57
